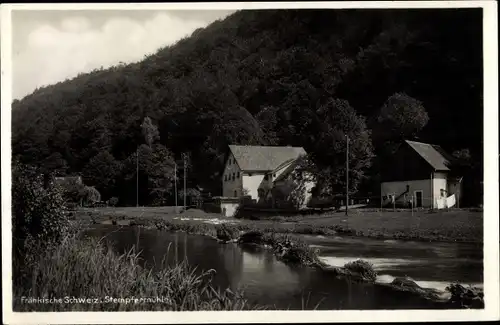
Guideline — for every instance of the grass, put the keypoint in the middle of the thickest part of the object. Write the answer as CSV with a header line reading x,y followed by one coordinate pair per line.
x,y
86,268
459,225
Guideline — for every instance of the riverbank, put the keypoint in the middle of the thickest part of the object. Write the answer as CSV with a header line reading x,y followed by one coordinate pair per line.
x,y
438,226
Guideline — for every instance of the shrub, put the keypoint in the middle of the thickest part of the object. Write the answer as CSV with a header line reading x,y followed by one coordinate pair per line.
x,y
363,268
38,219
113,201
72,190
91,195
37,212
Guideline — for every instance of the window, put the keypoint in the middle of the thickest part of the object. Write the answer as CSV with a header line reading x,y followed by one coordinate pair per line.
x,y
225,178
265,177
238,175
233,176
235,193
229,161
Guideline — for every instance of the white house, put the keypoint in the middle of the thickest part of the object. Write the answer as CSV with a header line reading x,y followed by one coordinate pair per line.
x,y
420,172
263,173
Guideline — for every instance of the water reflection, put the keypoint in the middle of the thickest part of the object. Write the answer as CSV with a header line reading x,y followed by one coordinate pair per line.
x,y
265,280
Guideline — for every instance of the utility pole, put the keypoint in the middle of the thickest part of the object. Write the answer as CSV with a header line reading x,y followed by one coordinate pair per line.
x,y
459,192
185,167
347,175
137,176
175,184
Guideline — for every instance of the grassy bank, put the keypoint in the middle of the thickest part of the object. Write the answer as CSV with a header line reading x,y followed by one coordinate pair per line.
x,y
423,225
80,268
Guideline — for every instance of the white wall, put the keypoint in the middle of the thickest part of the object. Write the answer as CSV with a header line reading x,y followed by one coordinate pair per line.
x,y
439,182
455,187
399,187
228,208
252,183
229,186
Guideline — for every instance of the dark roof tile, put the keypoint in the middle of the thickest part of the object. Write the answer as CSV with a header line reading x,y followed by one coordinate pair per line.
x,y
264,158
433,154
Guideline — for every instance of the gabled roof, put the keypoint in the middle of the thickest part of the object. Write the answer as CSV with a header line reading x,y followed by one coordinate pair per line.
x,y
434,155
264,158
286,172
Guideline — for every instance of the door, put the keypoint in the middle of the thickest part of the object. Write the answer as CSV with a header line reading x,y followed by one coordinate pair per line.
x,y
418,199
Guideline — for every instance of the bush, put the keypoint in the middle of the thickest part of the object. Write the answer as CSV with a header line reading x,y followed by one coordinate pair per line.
x,y
38,219
362,268
91,195
72,190
113,201
37,212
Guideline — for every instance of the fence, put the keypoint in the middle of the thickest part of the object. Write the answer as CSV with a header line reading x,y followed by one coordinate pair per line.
x,y
391,202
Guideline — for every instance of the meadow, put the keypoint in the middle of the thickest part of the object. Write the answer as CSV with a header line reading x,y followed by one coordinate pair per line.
x,y
460,225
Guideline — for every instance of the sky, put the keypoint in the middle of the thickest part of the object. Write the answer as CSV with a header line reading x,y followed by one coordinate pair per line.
x,y
49,46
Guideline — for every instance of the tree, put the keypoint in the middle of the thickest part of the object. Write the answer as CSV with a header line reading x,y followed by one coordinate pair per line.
x,y
72,190
337,119
54,164
463,157
156,173
91,195
102,171
149,131
401,117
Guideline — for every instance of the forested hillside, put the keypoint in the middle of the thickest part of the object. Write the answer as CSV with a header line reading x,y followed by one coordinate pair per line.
x,y
279,77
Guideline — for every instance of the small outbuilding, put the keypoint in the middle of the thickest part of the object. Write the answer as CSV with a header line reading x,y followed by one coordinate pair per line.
x,y
420,174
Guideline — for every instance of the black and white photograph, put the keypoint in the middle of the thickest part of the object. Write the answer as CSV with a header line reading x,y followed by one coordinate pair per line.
x,y
263,158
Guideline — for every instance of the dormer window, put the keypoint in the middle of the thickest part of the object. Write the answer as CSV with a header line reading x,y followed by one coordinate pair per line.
x,y
265,177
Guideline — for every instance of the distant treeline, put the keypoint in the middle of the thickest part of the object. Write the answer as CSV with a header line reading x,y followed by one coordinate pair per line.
x,y
273,77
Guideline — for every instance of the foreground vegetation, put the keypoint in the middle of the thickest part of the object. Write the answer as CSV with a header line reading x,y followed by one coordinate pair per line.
x,y
80,268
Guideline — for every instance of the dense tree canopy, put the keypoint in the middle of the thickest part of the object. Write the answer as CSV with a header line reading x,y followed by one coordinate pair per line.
x,y
282,77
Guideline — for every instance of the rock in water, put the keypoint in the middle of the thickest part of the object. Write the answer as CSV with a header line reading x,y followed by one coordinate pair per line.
x,y
223,234
251,237
465,297
405,282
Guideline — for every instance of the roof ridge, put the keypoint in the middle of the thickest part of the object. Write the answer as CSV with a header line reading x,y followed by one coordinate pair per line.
x,y
422,149
264,157
262,146
429,144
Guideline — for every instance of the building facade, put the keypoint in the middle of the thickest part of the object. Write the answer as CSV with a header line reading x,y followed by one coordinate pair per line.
x,y
419,174
259,172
